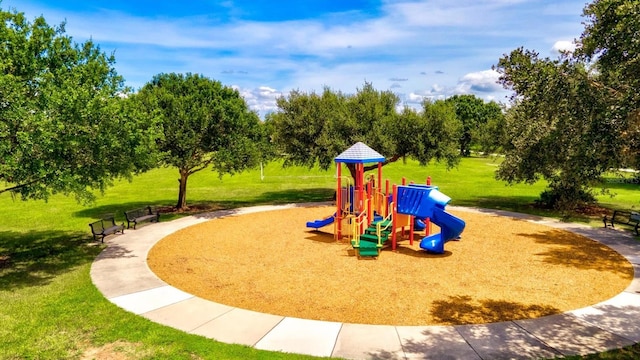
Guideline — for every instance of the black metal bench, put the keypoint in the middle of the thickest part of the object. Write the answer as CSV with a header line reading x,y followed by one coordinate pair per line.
x,y
104,227
140,215
630,218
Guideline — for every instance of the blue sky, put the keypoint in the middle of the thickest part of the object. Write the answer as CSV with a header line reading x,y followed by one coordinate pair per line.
x,y
416,48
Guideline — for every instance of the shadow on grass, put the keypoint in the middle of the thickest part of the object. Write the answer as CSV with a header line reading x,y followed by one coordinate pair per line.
x,y
460,310
510,203
295,196
34,258
198,207
115,210
527,205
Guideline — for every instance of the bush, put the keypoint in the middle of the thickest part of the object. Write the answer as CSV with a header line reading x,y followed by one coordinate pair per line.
x,y
559,196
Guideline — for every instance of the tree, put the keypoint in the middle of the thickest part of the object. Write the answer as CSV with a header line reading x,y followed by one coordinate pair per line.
x,y
576,117
475,115
65,123
311,129
491,136
610,43
430,134
203,124
556,127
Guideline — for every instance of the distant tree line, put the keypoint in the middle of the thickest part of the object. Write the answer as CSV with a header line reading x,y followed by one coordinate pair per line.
x,y
69,125
311,129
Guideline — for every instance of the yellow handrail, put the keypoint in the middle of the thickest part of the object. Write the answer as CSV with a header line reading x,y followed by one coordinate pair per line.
x,y
356,222
380,229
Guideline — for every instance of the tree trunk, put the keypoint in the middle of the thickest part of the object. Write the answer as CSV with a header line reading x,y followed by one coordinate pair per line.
x,y
352,171
182,193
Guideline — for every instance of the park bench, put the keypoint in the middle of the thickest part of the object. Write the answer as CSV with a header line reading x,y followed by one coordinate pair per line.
x,y
630,218
140,215
105,226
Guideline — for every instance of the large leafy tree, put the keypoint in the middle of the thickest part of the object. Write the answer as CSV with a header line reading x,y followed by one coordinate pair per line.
x,y
204,124
477,117
312,129
610,43
575,117
491,136
65,123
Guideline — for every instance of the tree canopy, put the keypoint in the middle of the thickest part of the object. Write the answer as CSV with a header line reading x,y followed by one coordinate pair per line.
x,y
203,124
610,43
575,117
65,125
312,129
480,121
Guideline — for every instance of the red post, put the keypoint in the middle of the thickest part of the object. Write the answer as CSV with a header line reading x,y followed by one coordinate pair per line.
x,y
395,216
369,208
404,182
379,175
427,221
360,168
411,225
386,199
339,205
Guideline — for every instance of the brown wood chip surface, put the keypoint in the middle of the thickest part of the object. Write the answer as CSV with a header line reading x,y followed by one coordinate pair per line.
x,y
502,269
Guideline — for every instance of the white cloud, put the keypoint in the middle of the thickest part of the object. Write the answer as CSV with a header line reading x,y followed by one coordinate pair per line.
x,y
480,81
563,46
261,99
428,42
415,98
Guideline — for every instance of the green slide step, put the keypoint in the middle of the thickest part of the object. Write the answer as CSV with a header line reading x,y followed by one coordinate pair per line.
x,y
369,237
372,228
367,252
382,223
368,248
374,237
366,242
373,231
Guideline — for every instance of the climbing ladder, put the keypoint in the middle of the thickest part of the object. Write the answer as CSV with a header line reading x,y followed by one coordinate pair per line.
x,y
369,243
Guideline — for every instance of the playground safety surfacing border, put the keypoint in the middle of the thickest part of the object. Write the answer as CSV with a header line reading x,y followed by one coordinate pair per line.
x,y
121,273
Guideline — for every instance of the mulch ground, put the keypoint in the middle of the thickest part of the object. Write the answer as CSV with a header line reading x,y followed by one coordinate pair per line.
x,y
502,269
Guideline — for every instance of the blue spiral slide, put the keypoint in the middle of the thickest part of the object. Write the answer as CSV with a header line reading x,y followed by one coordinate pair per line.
x,y
428,202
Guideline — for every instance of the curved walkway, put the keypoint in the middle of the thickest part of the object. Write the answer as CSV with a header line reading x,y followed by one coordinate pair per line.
x,y
121,273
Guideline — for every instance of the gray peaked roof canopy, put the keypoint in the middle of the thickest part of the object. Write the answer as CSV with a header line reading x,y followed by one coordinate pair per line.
x,y
359,153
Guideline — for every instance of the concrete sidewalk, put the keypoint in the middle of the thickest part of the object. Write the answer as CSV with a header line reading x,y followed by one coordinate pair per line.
x,y
121,273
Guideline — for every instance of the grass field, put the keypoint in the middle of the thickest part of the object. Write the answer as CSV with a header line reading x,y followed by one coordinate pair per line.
x,y
49,308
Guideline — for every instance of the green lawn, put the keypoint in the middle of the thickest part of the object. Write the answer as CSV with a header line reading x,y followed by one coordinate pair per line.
x,y
51,310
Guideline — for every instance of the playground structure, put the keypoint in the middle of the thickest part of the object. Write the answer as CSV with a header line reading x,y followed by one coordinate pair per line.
x,y
370,217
